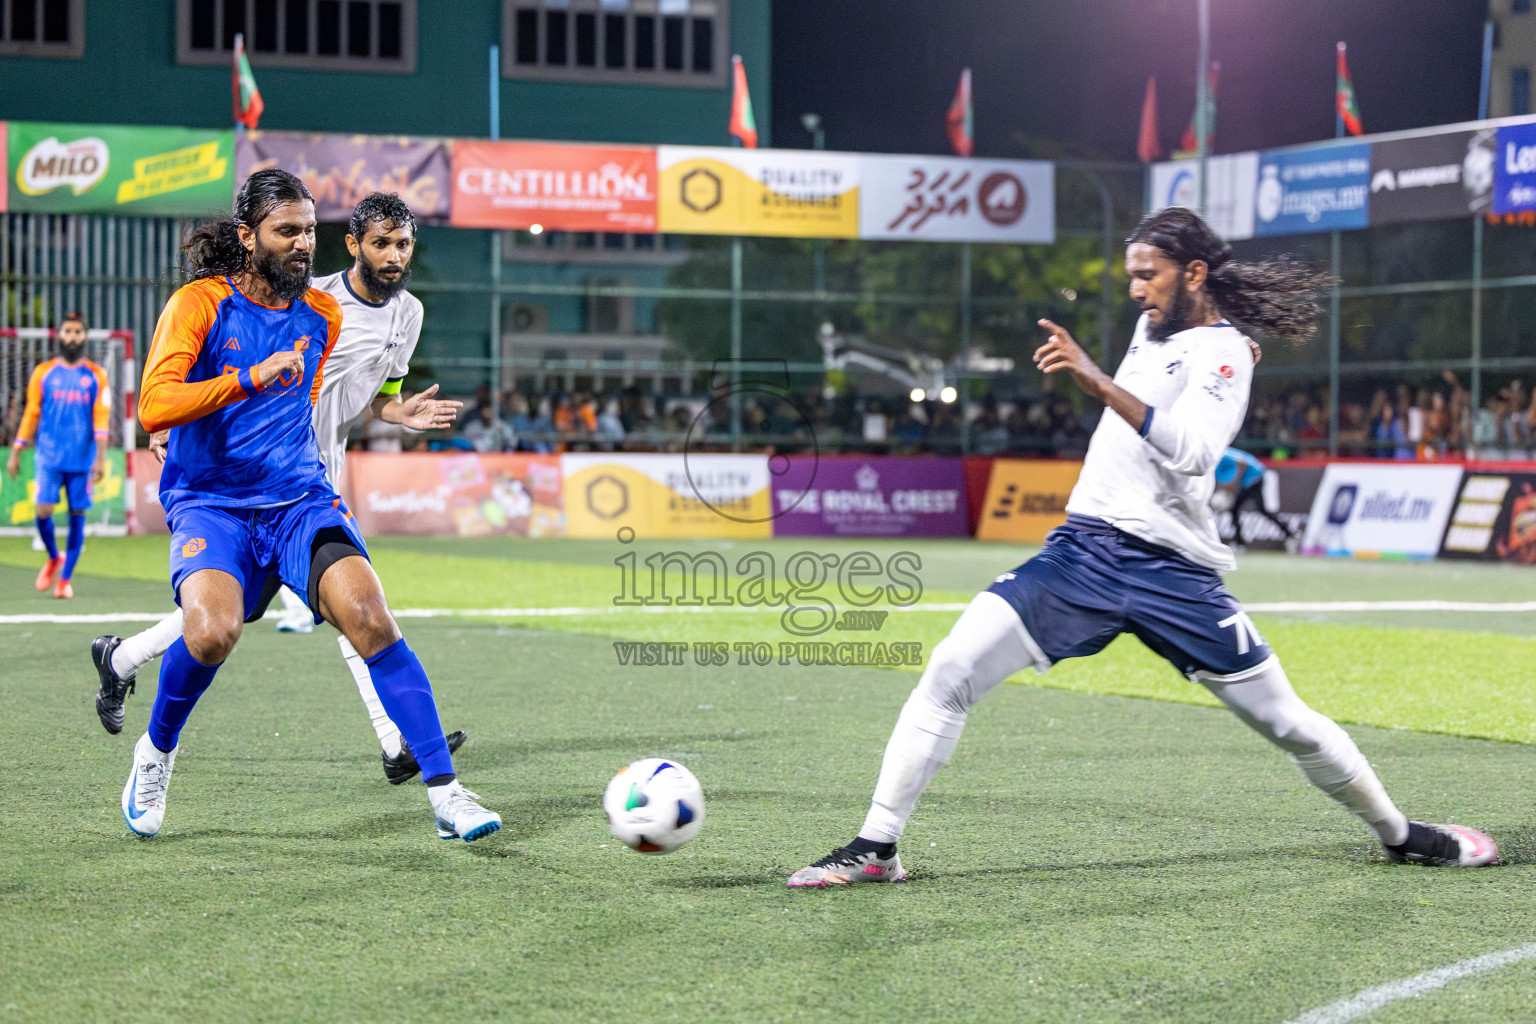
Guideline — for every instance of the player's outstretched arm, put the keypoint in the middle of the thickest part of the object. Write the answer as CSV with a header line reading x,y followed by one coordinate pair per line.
x,y
1062,352
419,412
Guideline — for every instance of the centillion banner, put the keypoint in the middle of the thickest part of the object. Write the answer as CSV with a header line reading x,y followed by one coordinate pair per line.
x,y
622,496
787,193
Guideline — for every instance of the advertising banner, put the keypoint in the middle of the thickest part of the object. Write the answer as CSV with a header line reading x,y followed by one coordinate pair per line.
x,y
18,497
560,186
1027,499
1326,188
790,193
130,171
1514,169
5,179
342,169
671,496
1437,177
456,494
1495,518
878,497
1229,201
149,514
1376,510
957,199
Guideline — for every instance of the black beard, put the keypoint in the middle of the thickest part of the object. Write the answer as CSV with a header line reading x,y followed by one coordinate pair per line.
x,y
71,353
379,288
1176,319
287,284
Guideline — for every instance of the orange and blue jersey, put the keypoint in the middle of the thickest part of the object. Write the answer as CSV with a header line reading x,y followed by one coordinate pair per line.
x,y
66,414
236,441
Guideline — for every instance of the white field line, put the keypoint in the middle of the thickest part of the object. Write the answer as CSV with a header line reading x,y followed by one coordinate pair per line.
x,y
1373,999
539,613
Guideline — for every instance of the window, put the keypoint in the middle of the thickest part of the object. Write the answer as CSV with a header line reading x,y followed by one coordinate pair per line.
x,y
42,28
1519,91
1520,7
315,35
655,42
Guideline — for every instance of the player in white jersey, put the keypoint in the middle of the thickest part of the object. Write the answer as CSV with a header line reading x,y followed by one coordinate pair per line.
x,y
1140,554
381,323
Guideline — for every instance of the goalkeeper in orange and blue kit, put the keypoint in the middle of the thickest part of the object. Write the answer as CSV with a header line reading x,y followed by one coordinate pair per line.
x,y
66,420
233,371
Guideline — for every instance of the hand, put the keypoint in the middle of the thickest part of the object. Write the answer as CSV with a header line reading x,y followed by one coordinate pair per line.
x,y
1253,346
1061,352
276,365
157,443
422,412
99,471
13,464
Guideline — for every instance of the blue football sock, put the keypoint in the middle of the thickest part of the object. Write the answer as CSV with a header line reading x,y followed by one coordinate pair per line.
x,y
45,531
406,694
76,542
182,680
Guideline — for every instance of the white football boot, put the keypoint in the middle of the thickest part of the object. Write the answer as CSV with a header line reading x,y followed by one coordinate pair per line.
x,y
458,816
844,867
144,793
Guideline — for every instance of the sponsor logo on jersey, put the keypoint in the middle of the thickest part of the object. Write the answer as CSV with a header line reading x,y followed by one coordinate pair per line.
x,y
194,547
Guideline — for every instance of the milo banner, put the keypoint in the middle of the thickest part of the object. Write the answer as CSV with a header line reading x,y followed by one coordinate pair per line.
x,y
18,497
673,496
1027,499
455,494
131,171
342,169
792,193
879,497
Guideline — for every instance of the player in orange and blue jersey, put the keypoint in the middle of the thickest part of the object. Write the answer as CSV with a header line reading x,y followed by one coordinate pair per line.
x,y
233,372
66,419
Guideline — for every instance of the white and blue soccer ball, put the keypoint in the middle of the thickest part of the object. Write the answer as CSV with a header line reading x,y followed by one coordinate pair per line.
x,y
654,805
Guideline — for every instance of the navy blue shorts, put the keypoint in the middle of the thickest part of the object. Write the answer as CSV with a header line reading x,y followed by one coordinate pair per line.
x,y
253,544
1091,582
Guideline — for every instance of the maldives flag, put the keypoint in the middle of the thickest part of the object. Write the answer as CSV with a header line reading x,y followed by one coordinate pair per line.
x,y
1189,145
1148,146
743,124
962,126
248,106
1344,99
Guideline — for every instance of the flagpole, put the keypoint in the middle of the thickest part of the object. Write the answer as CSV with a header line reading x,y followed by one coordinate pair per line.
x,y
1335,334
496,353
1477,236
1203,97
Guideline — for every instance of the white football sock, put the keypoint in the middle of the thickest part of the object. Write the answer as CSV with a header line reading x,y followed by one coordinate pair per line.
x,y
140,649
389,735
987,644
1263,698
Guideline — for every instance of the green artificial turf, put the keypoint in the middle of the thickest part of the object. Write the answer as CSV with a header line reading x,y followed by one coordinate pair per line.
x,y
1085,857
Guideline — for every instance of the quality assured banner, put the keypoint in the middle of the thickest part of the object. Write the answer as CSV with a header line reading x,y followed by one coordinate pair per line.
x,y
562,187
671,496
1375,510
134,171
456,494
1324,188
1437,177
887,497
342,169
1027,499
957,199
789,193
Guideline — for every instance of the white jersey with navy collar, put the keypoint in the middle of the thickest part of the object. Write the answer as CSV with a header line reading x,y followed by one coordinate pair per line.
x,y
1157,484
375,347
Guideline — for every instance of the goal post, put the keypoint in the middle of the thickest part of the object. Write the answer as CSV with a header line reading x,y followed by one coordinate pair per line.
x,y
21,350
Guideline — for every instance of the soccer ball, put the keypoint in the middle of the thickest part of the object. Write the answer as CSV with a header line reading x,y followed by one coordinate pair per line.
x,y
654,805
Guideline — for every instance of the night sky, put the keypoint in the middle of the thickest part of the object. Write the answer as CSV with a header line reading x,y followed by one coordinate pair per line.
x,y
1070,74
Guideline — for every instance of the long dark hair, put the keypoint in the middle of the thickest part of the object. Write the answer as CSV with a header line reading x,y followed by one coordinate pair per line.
x,y
213,249
1277,297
